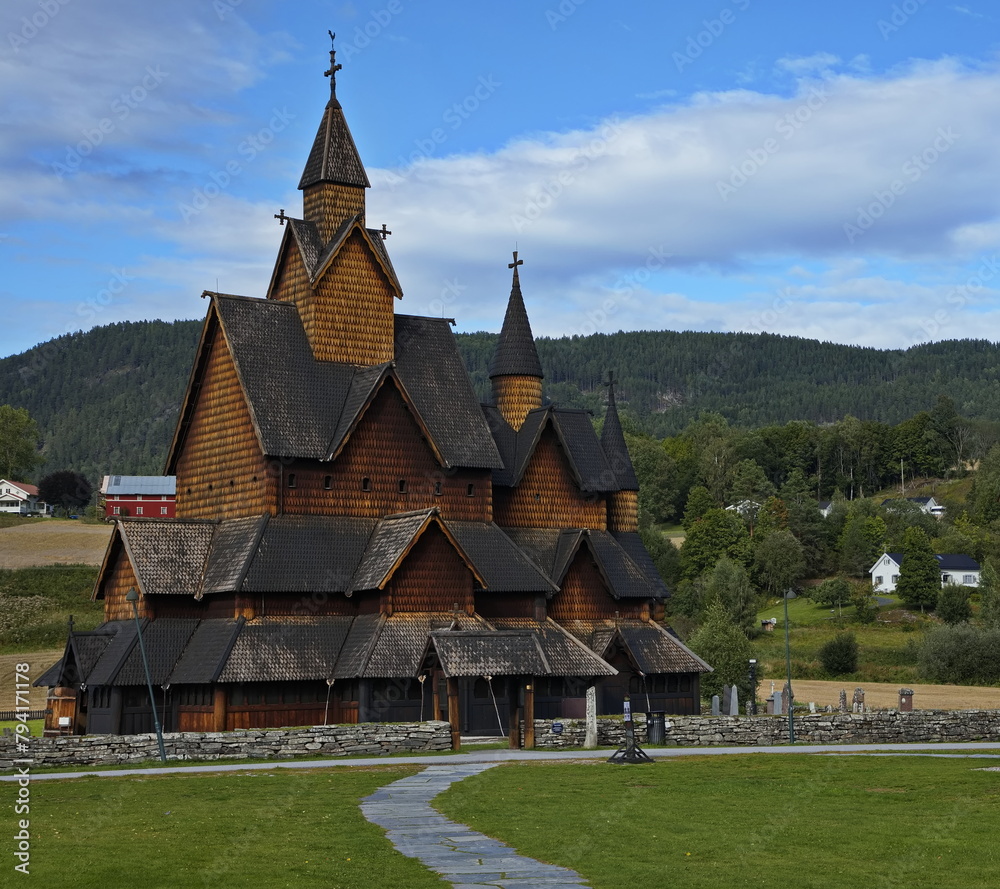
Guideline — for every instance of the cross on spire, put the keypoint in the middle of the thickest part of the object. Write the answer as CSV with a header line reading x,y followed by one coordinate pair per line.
x,y
281,217
334,67
513,265
611,380
384,232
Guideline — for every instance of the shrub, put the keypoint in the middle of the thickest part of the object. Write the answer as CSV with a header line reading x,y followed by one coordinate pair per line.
x,y
831,593
961,653
865,606
953,604
840,654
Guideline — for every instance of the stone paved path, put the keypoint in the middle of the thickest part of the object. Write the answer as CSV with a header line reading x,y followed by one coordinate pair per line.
x,y
467,858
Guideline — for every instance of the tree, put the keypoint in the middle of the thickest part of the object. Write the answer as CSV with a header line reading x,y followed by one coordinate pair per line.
x,y
778,561
860,542
718,533
919,575
729,583
18,443
657,473
698,503
833,593
65,488
726,649
953,604
989,595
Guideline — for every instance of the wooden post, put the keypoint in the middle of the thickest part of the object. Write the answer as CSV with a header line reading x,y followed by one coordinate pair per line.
x,y
436,694
514,715
219,711
453,714
529,713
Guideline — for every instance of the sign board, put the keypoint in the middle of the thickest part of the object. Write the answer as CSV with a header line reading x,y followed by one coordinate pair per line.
x,y
557,728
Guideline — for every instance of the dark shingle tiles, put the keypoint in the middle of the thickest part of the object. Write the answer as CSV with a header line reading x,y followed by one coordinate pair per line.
x,y
120,647
655,651
168,557
637,552
206,652
431,370
308,554
334,156
516,354
489,653
503,566
584,449
165,640
360,641
387,543
628,580
615,449
309,241
286,649
233,547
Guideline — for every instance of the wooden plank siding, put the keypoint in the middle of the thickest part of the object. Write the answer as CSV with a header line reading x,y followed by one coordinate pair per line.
x,y
328,205
221,471
585,596
116,586
432,577
623,511
388,449
515,396
291,284
547,496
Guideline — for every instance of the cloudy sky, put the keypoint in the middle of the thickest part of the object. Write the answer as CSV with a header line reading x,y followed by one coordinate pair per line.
x,y
820,170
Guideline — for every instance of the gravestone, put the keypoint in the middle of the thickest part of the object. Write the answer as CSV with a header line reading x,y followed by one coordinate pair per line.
x,y
715,705
843,701
779,703
590,736
734,702
812,706
727,693
858,701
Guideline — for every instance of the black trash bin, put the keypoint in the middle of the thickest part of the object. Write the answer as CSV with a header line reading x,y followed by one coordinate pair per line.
x,y
656,728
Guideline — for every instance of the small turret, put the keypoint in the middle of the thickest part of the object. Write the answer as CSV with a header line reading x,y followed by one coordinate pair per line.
x,y
623,504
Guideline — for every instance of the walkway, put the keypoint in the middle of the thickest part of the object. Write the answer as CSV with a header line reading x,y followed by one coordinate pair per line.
x,y
461,855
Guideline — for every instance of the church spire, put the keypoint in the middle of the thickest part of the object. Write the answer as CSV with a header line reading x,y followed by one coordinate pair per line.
x,y
515,371
623,504
334,179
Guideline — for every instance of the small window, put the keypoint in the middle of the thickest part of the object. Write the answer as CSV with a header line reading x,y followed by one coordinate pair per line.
x,y
291,479
895,578
968,579
946,578
878,580
327,482
138,496
402,486
163,510
138,510
116,510
366,484
437,489
470,490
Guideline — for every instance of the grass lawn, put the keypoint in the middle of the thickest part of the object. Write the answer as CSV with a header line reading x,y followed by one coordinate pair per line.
x,y
754,820
254,829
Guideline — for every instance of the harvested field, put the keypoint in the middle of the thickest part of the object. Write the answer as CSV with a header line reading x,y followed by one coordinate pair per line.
x,y
38,662
886,694
50,542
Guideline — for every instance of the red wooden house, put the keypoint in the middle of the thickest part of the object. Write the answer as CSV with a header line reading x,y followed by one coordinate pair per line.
x,y
144,496
357,538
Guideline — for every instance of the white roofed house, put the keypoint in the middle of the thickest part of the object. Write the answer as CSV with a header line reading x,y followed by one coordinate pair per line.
x,y
955,569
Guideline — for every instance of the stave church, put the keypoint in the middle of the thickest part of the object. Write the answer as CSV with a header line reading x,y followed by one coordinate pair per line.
x,y
356,537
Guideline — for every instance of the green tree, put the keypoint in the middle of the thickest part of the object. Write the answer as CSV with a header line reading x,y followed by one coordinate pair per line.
x,y
729,582
18,443
860,542
726,649
718,533
953,604
833,593
778,561
66,489
656,473
698,503
989,595
840,655
919,575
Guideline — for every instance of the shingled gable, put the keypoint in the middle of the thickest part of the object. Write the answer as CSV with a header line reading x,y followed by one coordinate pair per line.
x,y
584,456
614,446
516,354
649,647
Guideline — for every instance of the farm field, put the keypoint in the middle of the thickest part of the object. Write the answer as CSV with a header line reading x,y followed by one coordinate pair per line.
x,y
747,820
38,661
52,541
885,695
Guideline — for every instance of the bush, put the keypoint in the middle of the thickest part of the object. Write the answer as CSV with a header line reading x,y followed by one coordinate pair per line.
x,y
865,606
840,655
961,654
953,604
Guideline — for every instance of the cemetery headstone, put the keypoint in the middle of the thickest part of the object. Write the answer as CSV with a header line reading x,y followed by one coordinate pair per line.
x,y
843,701
734,702
779,703
590,736
715,705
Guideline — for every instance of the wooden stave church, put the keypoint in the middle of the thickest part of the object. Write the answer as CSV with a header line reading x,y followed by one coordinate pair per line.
x,y
356,537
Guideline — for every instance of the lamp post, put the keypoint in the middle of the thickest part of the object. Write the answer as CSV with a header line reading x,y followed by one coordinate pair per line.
x,y
133,597
753,686
789,594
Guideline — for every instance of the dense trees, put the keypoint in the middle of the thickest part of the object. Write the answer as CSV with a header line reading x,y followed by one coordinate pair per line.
x,y
66,489
18,443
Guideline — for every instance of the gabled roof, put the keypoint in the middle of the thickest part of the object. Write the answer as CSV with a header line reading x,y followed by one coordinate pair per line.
x,y
23,487
563,653
516,353
159,485
575,433
287,649
207,652
946,561
334,156
504,567
168,558
648,645
614,447
165,639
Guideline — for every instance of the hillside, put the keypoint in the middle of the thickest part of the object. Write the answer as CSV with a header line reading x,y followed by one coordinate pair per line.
x,y
107,400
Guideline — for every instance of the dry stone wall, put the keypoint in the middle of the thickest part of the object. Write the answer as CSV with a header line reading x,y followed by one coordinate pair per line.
x,y
368,739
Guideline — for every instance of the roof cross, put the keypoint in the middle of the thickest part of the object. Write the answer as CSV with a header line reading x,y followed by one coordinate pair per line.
x,y
611,379
282,217
515,263
334,67
384,233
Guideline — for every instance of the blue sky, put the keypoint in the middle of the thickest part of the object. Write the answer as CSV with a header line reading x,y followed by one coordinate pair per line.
x,y
818,170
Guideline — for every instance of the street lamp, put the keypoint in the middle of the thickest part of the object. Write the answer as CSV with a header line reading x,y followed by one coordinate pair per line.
x,y
753,686
133,597
789,594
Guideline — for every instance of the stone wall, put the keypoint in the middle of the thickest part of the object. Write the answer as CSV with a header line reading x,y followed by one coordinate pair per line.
x,y
368,739
874,727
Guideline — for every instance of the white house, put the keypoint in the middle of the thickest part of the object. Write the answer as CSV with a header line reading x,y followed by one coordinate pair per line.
x,y
21,498
926,504
955,568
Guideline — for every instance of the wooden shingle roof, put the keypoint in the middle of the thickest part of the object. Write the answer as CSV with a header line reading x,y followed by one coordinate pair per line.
x,y
650,647
614,446
334,156
271,649
516,353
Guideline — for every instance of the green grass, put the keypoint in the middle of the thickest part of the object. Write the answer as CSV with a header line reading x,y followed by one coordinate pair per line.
x,y
35,726
764,821
887,652
39,602
254,829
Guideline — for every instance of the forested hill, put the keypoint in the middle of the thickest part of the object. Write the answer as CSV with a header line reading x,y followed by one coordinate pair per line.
x,y
107,400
